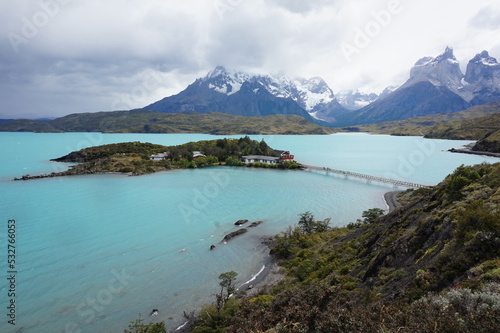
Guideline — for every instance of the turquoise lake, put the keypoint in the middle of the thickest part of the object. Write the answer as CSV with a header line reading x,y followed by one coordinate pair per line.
x,y
92,252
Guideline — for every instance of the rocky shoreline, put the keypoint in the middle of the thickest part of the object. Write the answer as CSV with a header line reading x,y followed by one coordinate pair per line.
x,y
473,152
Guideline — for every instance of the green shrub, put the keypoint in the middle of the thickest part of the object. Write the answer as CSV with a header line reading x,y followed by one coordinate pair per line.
x,y
344,270
262,300
138,326
477,217
233,161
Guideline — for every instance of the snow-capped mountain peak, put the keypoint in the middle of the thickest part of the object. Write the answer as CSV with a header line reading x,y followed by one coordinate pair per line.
x,y
483,69
310,94
447,55
225,81
313,92
443,70
485,59
483,78
355,99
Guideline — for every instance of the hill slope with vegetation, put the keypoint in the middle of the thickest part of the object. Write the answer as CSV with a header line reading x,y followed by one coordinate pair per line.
x,y
423,125
481,123
432,265
154,122
485,129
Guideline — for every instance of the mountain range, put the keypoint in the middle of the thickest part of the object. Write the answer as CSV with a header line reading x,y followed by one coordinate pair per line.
x,y
244,94
436,85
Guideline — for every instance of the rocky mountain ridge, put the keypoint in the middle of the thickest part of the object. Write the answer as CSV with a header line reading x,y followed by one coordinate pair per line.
x,y
436,85
240,93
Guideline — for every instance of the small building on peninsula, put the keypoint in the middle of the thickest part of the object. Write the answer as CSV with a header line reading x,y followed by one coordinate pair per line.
x,y
197,154
271,160
283,155
159,157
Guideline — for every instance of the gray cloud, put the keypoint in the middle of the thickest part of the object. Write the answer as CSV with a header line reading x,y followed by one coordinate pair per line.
x,y
300,6
63,56
487,18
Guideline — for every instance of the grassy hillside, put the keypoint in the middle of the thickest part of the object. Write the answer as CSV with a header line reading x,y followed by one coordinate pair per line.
x,y
485,129
424,125
490,143
27,125
470,129
432,265
153,122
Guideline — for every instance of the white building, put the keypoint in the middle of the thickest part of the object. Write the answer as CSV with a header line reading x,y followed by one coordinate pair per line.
x,y
197,154
158,157
260,159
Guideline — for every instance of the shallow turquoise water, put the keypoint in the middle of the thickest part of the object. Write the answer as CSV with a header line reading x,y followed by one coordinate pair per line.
x,y
95,251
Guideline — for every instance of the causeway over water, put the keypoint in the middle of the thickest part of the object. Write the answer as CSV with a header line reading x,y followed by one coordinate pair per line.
x,y
367,177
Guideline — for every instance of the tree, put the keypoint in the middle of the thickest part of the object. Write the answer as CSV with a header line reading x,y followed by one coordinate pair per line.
x,y
308,225
263,147
372,214
306,222
227,288
369,216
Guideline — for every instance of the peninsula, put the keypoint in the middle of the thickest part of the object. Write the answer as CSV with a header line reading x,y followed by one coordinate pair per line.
x,y
138,158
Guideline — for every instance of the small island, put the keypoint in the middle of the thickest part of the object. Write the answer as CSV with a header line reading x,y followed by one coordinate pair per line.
x,y
138,158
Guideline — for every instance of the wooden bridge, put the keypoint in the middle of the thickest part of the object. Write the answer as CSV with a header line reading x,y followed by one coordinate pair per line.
x,y
367,177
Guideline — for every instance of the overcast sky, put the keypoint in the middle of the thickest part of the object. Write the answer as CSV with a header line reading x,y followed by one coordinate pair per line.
x,y
65,56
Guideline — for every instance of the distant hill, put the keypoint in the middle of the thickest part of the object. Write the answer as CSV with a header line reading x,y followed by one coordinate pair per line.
x,y
424,124
480,123
485,129
467,129
140,121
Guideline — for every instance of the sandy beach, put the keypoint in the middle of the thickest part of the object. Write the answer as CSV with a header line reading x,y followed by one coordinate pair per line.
x,y
391,200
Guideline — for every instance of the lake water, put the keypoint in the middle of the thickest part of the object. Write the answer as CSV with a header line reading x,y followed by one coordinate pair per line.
x,y
92,252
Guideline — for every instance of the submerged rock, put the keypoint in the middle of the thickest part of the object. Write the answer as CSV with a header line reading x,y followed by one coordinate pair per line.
x,y
240,222
254,224
234,234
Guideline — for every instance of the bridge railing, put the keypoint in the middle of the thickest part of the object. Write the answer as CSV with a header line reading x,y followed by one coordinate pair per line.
x,y
367,177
